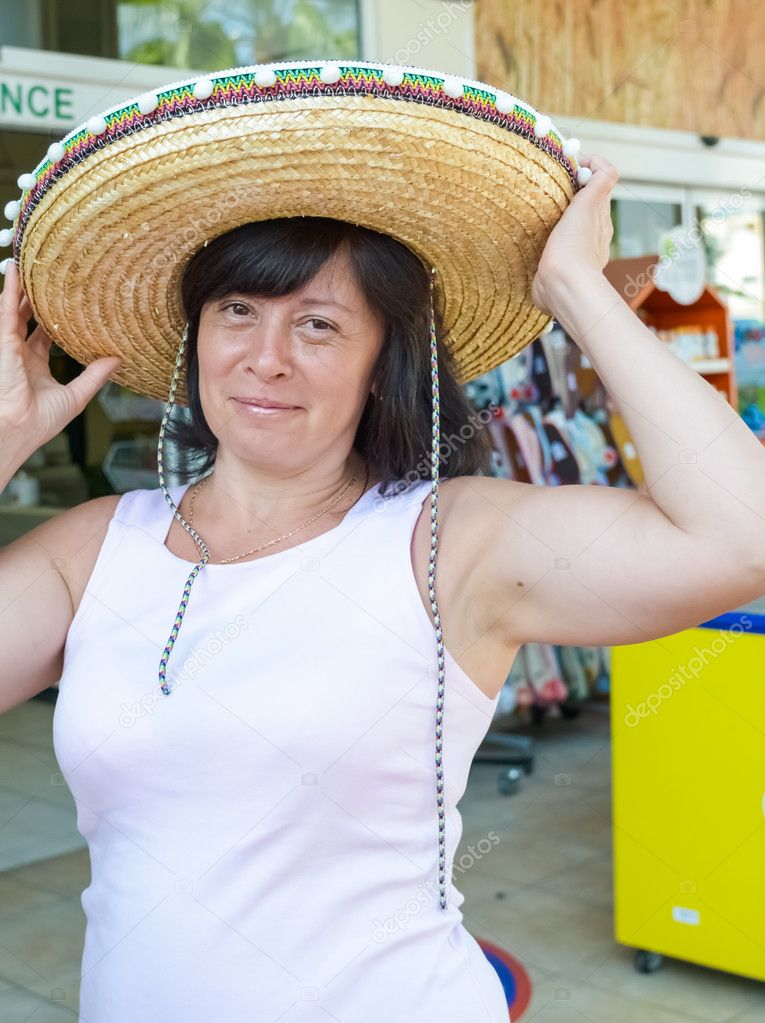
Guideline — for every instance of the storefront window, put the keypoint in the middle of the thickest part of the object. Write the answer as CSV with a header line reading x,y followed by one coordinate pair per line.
x,y
210,34
204,35
21,24
639,222
734,243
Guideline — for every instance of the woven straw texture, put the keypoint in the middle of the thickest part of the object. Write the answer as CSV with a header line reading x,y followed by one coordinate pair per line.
x,y
104,249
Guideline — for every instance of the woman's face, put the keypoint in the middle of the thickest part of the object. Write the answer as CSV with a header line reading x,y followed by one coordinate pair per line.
x,y
313,350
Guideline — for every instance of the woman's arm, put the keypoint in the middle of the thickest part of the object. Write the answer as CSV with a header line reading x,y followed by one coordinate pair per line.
x,y
597,565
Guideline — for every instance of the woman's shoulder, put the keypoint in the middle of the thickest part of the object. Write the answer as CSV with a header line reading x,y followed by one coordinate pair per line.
x,y
74,537
472,492
474,505
77,534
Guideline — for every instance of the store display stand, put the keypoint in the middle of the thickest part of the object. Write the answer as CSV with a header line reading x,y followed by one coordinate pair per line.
x,y
659,311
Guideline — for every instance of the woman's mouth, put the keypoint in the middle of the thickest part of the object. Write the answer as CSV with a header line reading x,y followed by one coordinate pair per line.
x,y
263,407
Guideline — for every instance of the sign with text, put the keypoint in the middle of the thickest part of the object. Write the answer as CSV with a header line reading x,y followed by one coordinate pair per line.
x,y
32,103
54,92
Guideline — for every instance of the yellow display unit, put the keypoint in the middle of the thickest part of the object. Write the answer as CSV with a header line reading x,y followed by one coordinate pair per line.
x,y
688,733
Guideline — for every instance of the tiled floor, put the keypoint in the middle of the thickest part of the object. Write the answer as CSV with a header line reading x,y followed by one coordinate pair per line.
x,y
543,891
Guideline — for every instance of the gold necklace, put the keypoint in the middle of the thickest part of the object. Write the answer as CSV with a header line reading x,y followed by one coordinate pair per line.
x,y
278,539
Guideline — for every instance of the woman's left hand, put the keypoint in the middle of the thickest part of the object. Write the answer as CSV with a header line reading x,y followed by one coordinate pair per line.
x,y
580,241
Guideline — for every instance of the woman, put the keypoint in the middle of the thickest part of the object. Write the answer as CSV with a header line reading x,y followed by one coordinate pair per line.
x,y
263,838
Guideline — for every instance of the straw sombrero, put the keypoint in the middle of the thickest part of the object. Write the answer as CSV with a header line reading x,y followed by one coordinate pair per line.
x,y
471,178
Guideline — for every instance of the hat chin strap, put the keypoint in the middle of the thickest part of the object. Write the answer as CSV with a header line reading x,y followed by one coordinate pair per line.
x,y
434,464
176,513
435,457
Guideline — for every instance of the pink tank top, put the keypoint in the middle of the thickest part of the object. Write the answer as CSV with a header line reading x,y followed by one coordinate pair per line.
x,y
264,840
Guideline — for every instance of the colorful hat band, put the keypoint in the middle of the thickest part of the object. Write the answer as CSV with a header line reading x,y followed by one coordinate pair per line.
x,y
272,82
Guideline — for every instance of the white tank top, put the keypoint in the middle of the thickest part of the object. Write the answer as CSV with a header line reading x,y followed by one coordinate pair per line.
x,y
264,840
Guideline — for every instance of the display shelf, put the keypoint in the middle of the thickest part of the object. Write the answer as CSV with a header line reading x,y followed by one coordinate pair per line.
x,y
659,311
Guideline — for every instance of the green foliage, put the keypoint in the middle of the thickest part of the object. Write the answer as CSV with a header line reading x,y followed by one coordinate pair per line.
x,y
209,35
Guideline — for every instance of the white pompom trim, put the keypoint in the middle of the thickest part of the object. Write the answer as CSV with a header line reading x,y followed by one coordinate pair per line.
x,y
504,102
11,209
454,87
265,78
96,125
393,76
330,74
571,147
148,102
583,175
6,236
4,265
26,181
55,152
203,88
542,126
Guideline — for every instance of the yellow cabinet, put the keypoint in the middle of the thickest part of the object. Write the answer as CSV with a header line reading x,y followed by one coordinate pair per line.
x,y
688,731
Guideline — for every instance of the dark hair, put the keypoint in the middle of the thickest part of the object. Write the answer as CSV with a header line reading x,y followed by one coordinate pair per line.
x,y
273,258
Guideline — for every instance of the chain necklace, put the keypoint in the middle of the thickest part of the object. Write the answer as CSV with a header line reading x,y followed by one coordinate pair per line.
x,y
278,539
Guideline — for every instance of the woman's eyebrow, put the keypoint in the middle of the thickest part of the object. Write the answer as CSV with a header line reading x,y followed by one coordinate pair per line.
x,y
323,301
311,300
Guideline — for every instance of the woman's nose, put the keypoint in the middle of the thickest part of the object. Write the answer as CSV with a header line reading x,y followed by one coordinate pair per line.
x,y
268,352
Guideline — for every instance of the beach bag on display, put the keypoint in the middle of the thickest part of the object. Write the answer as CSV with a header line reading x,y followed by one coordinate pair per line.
x,y
543,674
541,381
501,459
525,434
515,375
555,347
564,468
592,663
581,442
485,391
627,450
573,671
515,454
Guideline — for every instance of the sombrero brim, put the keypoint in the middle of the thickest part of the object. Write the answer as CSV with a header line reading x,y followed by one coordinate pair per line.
x,y
471,179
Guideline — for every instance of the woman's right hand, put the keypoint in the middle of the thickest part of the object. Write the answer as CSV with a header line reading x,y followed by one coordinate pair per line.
x,y
34,407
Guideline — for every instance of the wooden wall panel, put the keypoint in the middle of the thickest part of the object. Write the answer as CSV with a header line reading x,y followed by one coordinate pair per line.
x,y
691,65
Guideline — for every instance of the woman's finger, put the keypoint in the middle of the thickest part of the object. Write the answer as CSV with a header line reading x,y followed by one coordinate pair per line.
x,y
39,341
9,305
597,162
10,285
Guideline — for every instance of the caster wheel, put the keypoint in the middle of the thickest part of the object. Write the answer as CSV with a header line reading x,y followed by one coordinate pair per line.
x,y
509,781
648,962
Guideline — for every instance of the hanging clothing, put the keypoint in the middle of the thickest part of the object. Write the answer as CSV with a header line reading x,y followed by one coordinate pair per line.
x,y
264,840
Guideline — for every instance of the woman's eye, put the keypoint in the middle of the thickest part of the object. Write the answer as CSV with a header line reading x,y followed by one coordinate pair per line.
x,y
324,325
237,305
